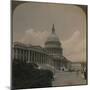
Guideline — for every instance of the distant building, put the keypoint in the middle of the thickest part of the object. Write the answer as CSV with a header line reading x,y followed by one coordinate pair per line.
x,y
76,66
51,56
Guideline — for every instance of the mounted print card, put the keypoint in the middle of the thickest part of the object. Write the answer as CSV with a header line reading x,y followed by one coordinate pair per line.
x,y
49,44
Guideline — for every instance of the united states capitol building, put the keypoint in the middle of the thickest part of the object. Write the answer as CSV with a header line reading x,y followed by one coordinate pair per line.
x,y
50,56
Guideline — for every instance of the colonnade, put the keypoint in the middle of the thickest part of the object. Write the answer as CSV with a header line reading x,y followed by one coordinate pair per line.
x,y
37,57
57,51
31,56
20,54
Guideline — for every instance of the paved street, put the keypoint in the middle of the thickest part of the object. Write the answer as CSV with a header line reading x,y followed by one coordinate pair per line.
x,y
68,78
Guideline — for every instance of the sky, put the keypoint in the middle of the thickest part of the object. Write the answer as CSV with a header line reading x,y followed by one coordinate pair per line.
x,y
32,24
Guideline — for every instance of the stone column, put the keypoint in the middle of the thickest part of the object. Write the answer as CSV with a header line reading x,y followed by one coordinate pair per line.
x,y
36,57
31,55
40,58
28,56
12,53
23,55
19,54
45,59
16,53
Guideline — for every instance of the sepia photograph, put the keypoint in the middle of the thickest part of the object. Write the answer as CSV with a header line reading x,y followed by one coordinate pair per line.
x,y
49,44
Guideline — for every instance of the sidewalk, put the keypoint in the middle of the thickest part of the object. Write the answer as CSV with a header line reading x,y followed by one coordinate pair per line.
x,y
68,78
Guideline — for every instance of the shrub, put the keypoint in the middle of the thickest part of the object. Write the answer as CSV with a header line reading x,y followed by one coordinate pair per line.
x,y
26,76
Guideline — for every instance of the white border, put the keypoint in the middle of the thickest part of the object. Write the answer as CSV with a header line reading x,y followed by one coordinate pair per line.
x,y
60,1
5,44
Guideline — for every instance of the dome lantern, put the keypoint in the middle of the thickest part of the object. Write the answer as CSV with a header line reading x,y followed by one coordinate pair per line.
x,y
53,29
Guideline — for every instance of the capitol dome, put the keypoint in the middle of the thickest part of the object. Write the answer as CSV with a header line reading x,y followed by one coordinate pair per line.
x,y
52,37
52,40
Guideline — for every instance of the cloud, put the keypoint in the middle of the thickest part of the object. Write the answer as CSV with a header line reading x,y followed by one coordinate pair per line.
x,y
34,37
75,47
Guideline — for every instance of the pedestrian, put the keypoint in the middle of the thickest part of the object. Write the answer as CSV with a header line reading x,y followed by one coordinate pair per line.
x,y
85,75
